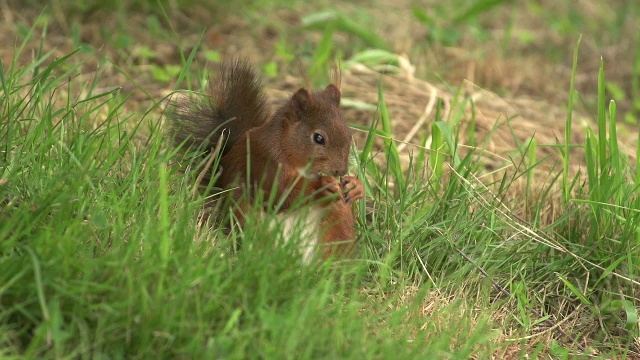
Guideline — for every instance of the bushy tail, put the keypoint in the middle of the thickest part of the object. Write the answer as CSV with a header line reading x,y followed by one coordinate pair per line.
x,y
235,104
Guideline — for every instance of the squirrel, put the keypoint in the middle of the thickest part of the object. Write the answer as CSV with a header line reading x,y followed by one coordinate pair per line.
x,y
303,146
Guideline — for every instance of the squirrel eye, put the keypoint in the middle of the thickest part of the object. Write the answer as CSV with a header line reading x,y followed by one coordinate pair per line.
x,y
318,139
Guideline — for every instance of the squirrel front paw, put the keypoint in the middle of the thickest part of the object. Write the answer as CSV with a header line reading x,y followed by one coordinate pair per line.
x,y
352,189
329,185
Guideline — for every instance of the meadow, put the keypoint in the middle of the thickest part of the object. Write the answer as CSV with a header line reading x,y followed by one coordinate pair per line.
x,y
497,142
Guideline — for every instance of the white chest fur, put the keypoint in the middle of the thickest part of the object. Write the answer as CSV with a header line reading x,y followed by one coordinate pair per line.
x,y
303,226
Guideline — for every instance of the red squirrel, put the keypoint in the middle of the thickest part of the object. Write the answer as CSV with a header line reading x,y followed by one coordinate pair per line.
x,y
304,146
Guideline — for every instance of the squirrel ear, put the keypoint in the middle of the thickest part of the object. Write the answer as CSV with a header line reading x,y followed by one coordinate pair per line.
x,y
300,100
333,93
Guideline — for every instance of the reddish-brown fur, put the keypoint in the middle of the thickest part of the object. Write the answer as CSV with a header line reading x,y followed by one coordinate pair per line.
x,y
263,151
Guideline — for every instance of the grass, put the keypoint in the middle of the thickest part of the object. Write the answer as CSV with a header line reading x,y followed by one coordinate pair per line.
x,y
102,255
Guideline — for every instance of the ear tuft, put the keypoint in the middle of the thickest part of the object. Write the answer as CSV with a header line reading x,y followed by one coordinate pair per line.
x,y
335,74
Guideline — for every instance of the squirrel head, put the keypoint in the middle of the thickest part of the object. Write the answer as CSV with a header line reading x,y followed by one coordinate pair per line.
x,y
315,135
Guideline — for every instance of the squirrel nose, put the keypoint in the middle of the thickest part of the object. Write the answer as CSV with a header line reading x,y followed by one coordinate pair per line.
x,y
341,171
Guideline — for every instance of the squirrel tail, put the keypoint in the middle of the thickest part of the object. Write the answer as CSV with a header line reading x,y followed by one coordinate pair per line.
x,y
235,104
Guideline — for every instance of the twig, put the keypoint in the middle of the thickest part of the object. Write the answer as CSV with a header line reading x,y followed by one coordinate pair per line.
x,y
427,111
424,267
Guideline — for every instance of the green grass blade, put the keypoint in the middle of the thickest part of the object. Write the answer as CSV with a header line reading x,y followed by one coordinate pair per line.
x,y
349,26
393,158
449,141
631,313
591,159
602,121
436,156
471,132
323,52
574,289
532,151
186,66
566,160
422,16
614,154
476,9
422,154
341,22
365,155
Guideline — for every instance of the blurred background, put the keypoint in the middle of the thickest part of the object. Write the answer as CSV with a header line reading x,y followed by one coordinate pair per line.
x,y
513,48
